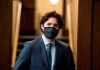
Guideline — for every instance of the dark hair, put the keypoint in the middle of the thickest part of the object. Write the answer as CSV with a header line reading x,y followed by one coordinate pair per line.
x,y
52,14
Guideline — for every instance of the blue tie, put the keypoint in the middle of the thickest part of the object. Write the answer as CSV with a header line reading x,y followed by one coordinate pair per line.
x,y
49,56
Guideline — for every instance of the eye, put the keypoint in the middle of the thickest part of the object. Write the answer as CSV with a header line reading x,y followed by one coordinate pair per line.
x,y
49,24
56,25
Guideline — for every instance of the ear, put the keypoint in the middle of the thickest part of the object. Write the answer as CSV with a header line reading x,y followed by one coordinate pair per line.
x,y
42,26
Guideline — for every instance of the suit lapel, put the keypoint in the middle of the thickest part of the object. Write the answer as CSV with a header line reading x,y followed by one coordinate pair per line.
x,y
43,51
58,52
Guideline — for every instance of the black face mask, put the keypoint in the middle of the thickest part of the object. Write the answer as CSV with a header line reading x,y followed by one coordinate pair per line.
x,y
50,32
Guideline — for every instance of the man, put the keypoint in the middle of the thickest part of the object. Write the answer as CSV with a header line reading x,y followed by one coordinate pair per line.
x,y
45,52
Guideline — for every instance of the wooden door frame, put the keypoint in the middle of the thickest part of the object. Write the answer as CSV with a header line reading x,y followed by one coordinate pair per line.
x,y
5,34
84,42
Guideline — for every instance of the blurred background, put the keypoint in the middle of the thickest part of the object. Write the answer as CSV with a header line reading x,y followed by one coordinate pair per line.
x,y
19,22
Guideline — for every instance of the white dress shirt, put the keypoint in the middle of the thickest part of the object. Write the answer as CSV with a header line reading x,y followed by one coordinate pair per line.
x,y
53,49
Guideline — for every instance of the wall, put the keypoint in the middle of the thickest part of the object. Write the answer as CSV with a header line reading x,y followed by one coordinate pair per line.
x,y
74,12
72,24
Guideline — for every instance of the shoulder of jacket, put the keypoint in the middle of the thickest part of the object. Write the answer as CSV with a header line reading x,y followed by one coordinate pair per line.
x,y
63,43
34,41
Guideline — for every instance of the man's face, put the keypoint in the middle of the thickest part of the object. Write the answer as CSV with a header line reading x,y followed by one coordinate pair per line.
x,y
51,22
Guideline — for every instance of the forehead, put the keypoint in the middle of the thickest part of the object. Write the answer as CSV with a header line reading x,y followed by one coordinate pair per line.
x,y
52,19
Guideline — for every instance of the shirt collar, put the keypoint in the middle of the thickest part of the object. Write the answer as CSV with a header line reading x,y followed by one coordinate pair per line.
x,y
46,41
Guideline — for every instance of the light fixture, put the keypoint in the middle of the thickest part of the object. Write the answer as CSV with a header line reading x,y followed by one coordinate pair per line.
x,y
54,2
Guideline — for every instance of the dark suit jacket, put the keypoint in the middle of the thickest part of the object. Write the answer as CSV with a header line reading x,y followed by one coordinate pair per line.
x,y
33,57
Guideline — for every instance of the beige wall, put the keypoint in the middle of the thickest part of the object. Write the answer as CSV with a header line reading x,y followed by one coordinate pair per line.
x,y
72,19
43,6
75,26
16,15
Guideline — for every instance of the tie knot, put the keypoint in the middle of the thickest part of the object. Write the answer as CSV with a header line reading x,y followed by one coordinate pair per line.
x,y
50,44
